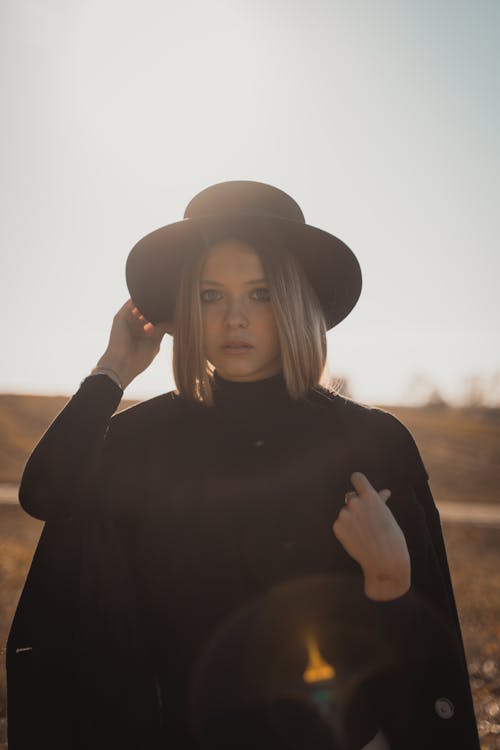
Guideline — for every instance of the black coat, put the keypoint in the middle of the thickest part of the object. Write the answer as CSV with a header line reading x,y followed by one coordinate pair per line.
x,y
82,669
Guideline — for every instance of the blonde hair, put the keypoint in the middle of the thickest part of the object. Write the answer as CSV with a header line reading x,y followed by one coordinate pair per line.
x,y
298,314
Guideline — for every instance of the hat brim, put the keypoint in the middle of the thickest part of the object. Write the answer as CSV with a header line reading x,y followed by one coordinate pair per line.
x,y
154,264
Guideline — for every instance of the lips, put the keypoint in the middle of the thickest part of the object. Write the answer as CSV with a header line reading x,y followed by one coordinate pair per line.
x,y
237,344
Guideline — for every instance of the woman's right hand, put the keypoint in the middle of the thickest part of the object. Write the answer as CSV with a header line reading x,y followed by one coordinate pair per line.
x,y
133,343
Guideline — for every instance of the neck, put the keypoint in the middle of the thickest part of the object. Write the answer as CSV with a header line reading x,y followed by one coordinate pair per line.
x,y
221,382
247,401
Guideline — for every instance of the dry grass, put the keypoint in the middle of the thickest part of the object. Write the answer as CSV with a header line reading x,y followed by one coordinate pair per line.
x,y
474,556
460,448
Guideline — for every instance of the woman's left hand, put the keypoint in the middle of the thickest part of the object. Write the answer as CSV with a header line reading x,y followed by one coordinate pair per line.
x,y
370,534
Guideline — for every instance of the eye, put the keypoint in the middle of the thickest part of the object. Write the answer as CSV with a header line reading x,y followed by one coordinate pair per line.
x,y
210,295
261,294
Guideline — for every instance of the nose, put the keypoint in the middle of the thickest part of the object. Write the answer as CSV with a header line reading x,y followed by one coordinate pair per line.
x,y
236,315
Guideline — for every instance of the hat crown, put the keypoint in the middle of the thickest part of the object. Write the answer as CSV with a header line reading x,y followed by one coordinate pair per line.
x,y
244,197
155,263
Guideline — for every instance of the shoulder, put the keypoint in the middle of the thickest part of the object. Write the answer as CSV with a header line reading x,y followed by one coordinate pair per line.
x,y
357,414
168,408
378,429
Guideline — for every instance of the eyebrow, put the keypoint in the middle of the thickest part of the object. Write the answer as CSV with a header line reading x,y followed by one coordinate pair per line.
x,y
218,283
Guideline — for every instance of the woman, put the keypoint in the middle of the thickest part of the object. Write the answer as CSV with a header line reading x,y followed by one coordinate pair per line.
x,y
251,561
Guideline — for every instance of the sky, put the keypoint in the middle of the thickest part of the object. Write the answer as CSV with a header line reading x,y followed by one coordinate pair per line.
x,y
380,119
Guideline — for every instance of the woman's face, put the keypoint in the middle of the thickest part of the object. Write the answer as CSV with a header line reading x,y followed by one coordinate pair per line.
x,y
239,329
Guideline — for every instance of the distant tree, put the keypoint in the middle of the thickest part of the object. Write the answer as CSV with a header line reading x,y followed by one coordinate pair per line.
x,y
423,391
473,392
495,389
481,390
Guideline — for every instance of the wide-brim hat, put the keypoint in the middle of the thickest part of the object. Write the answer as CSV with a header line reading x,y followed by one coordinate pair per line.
x,y
154,264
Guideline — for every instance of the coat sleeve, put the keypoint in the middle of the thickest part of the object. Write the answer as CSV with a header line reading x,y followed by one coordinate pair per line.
x,y
445,706
63,472
413,471
443,712
432,706
78,606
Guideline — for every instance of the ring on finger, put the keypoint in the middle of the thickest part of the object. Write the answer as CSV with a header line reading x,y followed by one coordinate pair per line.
x,y
349,496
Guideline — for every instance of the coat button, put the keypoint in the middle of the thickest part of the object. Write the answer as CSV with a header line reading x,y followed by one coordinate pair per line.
x,y
444,708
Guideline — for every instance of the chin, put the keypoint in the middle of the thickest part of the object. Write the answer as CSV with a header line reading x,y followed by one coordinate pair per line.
x,y
242,372
238,373
247,367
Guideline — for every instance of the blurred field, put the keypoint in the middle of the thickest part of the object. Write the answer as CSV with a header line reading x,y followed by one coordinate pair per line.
x,y
461,450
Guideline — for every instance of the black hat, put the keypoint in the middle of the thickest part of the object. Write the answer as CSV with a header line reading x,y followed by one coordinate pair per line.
x,y
154,264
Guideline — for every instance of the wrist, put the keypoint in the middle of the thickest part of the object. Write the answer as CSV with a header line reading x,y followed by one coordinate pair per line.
x,y
115,368
110,374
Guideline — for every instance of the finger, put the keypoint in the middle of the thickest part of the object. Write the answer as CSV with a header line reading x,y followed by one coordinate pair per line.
x,y
384,495
338,526
136,312
361,483
138,318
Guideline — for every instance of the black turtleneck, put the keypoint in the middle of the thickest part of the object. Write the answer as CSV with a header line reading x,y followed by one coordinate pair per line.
x,y
252,393
260,412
